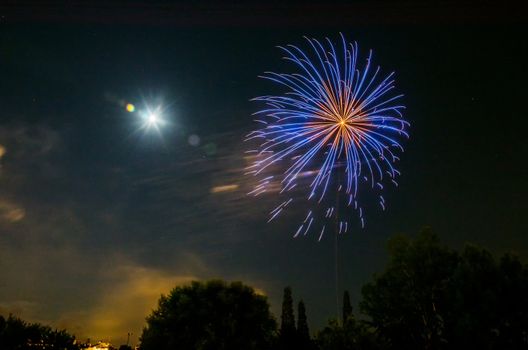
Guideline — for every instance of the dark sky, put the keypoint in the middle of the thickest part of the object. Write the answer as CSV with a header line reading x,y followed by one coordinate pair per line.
x,y
98,219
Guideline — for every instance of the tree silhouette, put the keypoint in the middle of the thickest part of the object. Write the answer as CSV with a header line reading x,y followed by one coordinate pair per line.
x,y
304,340
347,307
302,323
332,337
288,333
405,301
488,302
210,315
350,335
432,297
17,334
287,316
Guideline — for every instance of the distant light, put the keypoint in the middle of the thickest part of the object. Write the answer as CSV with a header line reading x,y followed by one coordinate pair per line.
x,y
130,107
11,212
224,188
2,151
15,214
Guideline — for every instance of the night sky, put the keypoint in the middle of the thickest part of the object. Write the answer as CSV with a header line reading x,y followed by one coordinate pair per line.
x,y
97,219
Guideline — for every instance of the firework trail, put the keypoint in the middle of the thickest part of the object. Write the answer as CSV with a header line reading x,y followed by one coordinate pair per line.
x,y
337,128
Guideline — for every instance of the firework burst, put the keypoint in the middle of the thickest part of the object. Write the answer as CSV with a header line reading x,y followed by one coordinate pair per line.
x,y
337,128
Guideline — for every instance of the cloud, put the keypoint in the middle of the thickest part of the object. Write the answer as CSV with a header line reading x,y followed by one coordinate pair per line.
x,y
28,140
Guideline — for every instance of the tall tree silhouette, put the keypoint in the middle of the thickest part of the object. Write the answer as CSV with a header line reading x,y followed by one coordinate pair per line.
x,y
302,323
347,307
287,336
287,317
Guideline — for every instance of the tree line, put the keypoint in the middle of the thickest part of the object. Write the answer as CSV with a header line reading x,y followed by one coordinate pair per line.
x,y
429,296
18,334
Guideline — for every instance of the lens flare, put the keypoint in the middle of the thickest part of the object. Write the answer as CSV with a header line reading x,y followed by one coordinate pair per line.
x,y
130,107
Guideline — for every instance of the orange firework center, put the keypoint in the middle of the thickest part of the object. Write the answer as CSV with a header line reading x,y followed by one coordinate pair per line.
x,y
345,121
348,131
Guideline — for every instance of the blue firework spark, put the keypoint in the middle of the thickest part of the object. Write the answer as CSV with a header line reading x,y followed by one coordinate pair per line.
x,y
337,128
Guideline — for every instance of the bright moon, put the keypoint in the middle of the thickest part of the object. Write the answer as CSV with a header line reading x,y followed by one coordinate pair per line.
x,y
153,119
